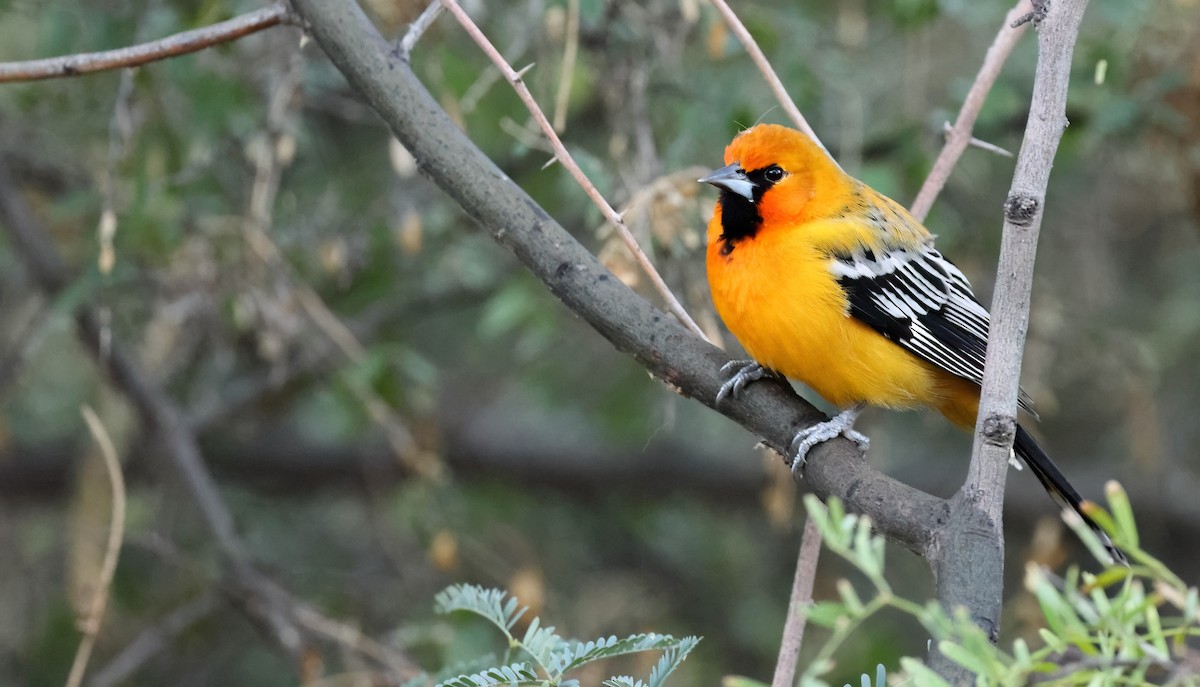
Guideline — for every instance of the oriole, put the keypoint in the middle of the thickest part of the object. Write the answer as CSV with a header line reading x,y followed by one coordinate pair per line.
x,y
826,281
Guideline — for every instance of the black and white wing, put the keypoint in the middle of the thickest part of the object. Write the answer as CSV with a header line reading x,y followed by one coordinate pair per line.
x,y
924,303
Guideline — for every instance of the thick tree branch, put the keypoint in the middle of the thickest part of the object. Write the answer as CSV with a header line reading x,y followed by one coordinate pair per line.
x,y
133,56
972,577
1018,250
672,354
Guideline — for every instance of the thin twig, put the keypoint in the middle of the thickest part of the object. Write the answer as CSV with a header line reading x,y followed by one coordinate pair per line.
x,y
353,639
810,543
116,534
561,154
151,641
960,134
981,144
566,75
764,65
802,586
133,56
28,330
418,29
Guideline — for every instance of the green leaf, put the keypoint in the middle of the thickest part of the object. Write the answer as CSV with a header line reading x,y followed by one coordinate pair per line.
x,y
1110,576
671,659
970,661
1021,656
854,605
542,644
516,674
826,613
921,674
741,681
1053,641
1154,633
580,653
880,678
1122,511
869,556
1085,533
1059,614
819,513
488,603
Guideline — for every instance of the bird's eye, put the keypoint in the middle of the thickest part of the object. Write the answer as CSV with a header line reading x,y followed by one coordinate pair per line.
x,y
773,174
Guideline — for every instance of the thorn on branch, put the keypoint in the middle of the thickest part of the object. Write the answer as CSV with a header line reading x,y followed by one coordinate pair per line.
x,y
1021,209
949,130
520,73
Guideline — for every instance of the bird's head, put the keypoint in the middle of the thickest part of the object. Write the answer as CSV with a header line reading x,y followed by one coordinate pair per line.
x,y
773,176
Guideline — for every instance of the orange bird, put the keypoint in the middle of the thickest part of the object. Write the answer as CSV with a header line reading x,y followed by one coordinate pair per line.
x,y
826,281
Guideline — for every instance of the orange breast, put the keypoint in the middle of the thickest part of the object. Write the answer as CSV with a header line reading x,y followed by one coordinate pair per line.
x,y
776,294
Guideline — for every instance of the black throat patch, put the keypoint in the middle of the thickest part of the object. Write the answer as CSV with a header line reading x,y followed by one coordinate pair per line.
x,y
740,218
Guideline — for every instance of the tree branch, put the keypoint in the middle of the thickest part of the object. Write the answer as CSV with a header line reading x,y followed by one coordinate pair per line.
x,y
153,640
793,626
418,28
1018,250
161,49
564,158
972,577
764,67
687,364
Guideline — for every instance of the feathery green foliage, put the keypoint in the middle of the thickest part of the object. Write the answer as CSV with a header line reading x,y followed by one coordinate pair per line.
x,y
1123,625
553,656
671,659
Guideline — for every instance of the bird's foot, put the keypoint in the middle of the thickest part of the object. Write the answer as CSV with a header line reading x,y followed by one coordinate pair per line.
x,y
842,424
741,373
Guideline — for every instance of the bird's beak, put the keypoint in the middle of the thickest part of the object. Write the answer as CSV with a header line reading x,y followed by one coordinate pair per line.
x,y
732,178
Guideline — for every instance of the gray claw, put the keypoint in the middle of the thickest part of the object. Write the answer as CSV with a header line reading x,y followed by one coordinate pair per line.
x,y
842,424
741,373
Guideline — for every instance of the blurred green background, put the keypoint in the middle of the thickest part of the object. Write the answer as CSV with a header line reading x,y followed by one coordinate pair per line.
x,y
464,426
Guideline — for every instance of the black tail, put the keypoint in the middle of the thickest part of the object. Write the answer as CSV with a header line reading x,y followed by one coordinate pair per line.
x,y
1057,486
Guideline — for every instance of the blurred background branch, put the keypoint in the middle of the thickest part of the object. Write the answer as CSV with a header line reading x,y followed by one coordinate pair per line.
x,y
133,56
251,591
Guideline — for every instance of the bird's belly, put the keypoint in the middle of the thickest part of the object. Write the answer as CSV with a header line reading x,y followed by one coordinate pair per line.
x,y
796,322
